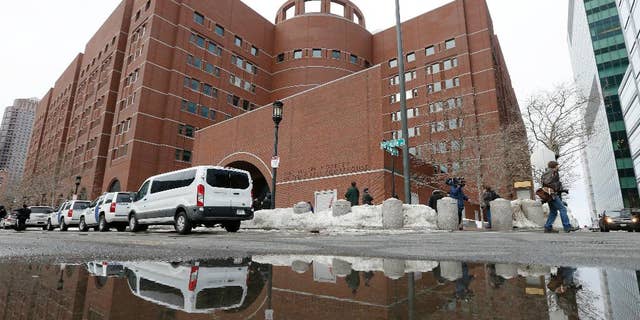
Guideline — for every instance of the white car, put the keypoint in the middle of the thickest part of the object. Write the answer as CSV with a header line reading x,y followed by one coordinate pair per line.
x,y
109,210
204,195
39,216
190,287
68,215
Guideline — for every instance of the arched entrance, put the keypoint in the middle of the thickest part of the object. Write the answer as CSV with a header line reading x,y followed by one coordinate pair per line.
x,y
115,186
260,184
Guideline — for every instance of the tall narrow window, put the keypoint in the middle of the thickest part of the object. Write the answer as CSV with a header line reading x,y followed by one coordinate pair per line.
x,y
312,6
393,63
450,44
238,41
254,51
297,54
353,59
317,53
337,8
280,58
335,54
430,51
411,57
198,18
219,30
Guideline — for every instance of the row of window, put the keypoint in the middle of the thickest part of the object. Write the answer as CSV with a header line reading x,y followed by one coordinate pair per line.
x,y
183,155
408,76
410,94
319,53
128,100
445,147
123,126
237,102
204,88
431,88
428,51
244,65
194,108
200,64
446,65
238,82
119,152
219,30
449,104
450,124
132,77
209,45
413,132
411,113
186,130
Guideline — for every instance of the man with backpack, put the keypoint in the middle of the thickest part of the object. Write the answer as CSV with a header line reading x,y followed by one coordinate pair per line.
x,y
487,196
551,184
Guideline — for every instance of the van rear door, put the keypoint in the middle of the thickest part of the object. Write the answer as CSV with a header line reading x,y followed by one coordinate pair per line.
x,y
240,185
217,193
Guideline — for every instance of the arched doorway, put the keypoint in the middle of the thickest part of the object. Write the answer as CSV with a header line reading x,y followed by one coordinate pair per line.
x,y
260,184
115,186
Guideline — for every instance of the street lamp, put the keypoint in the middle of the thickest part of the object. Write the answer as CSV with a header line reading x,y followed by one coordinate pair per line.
x,y
403,108
75,194
277,117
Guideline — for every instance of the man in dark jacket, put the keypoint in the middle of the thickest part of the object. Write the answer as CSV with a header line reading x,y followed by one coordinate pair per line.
x,y
435,196
551,182
366,197
487,196
3,212
353,194
458,194
23,215
266,203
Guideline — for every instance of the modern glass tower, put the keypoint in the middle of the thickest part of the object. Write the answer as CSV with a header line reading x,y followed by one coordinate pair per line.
x,y
606,42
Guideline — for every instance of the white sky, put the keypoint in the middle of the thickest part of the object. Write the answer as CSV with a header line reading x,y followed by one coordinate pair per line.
x,y
41,37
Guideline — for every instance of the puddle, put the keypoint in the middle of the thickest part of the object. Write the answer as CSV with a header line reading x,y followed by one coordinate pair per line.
x,y
314,287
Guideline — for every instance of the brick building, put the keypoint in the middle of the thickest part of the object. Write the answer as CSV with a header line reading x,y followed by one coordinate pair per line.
x,y
176,67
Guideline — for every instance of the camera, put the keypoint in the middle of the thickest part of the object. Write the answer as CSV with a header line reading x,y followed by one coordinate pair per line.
x,y
456,181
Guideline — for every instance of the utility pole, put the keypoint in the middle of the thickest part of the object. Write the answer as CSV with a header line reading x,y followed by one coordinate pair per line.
x,y
403,109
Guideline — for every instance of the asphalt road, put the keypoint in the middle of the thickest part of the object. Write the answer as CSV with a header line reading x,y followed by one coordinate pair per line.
x,y
615,249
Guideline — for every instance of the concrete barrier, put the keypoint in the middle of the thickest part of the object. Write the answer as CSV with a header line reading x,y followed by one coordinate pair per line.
x,y
447,214
451,270
301,207
341,268
341,207
533,211
507,271
501,215
393,268
300,266
392,214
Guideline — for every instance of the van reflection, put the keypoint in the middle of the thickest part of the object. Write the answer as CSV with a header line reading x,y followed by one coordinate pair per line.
x,y
192,287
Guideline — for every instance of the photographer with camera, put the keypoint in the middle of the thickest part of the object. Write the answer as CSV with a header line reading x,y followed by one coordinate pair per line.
x,y
552,185
456,192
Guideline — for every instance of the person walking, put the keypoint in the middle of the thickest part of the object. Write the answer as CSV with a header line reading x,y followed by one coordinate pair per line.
x,y
552,185
23,215
457,192
266,202
366,197
433,200
487,196
353,194
3,212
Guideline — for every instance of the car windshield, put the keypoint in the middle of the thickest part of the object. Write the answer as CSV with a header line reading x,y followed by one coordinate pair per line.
x,y
41,210
618,214
123,197
80,205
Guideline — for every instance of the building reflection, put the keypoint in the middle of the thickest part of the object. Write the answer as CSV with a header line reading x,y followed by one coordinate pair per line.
x,y
305,287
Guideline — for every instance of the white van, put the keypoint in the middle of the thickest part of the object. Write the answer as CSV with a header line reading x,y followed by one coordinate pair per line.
x,y
204,195
109,210
188,287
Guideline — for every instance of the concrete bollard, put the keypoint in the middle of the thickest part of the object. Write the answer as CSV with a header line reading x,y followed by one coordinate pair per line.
x,y
301,207
447,214
507,271
341,268
392,214
341,207
501,215
533,211
393,268
451,270
300,266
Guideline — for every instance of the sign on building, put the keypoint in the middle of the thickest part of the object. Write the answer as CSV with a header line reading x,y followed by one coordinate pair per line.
x,y
324,200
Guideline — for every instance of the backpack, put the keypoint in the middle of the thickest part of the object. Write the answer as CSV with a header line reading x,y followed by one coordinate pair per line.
x,y
547,178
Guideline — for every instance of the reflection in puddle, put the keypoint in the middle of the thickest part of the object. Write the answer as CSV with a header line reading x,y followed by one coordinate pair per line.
x,y
315,287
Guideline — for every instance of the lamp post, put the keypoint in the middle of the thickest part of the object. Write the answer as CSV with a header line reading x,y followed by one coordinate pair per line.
x,y
277,117
75,194
403,109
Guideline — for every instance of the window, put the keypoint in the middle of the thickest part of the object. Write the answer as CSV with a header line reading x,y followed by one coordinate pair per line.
x,y
198,18
393,63
453,124
451,63
238,41
435,107
245,105
236,81
254,51
433,69
442,147
431,50
207,89
456,145
312,6
452,83
198,40
297,54
186,156
337,8
214,49
411,57
317,53
239,62
280,58
247,86
290,12
148,5
204,111
219,30
356,18
233,100
250,68
450,44
353,59
335,54
195,85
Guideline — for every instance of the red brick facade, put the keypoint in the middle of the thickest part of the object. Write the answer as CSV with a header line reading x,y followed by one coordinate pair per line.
x,y
175,67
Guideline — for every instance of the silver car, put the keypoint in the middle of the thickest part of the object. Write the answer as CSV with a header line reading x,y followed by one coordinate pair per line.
x,y
39,216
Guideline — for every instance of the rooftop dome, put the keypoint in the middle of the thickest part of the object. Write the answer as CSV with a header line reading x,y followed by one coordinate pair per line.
x,y
342,8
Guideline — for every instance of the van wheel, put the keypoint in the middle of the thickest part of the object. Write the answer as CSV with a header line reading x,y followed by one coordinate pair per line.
x,y
83,225
49,226
63,225
134,226
103,226
232,226
182,223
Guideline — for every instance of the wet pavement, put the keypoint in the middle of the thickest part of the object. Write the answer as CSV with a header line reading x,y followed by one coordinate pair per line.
x,y
314,287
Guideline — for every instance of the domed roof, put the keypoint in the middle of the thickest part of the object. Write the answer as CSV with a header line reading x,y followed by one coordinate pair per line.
x,y
342,8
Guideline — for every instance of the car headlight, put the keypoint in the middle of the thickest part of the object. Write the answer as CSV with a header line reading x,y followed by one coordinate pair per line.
x,y
634,220
609,220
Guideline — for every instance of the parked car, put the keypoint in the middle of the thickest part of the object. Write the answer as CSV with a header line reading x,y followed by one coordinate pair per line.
x,y
10,221
623,219
39,216
68,215
204,195
109,210
192,287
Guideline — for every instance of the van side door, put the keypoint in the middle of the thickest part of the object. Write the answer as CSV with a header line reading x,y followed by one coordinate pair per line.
x,y
141,202
217,193
240,193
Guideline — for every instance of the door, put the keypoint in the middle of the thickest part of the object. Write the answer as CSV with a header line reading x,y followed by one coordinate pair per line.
x,y
91,217
142,200
217,193
240,193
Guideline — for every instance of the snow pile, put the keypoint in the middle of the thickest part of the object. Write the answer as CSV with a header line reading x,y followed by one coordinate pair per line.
x,y
354,263
417,217
521,221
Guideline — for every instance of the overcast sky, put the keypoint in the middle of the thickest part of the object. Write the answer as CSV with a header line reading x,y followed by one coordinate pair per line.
x,y
36,50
